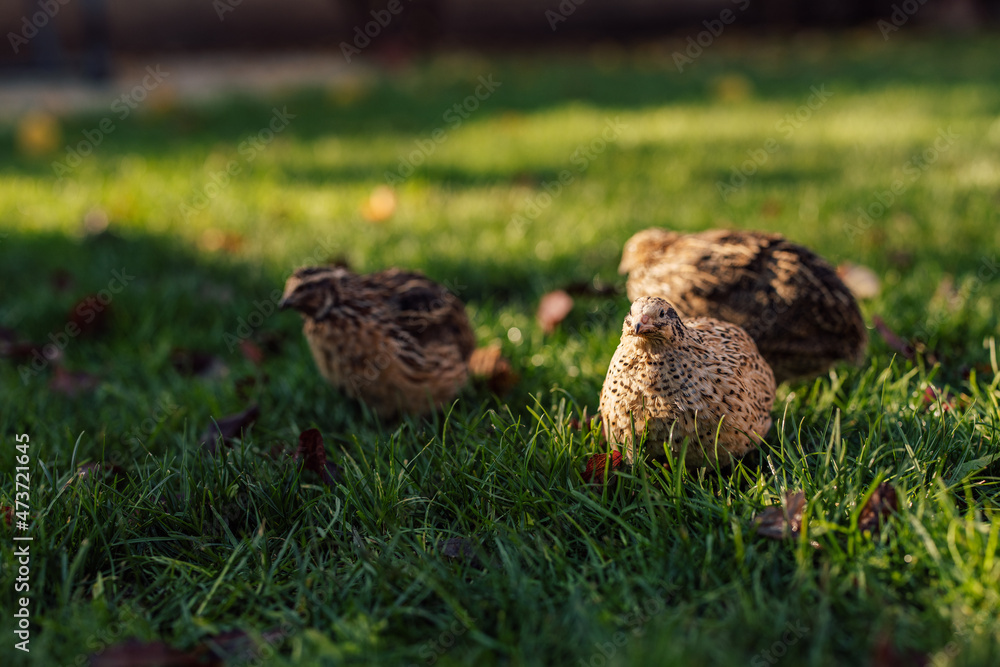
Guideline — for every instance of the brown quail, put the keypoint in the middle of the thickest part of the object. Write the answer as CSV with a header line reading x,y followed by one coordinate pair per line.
x,y
395,339
791,302
675,380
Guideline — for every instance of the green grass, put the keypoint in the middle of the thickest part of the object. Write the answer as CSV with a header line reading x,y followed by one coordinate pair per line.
x,y
661,568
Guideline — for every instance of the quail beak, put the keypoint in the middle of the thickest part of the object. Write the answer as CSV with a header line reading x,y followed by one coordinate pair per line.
x,y
642,326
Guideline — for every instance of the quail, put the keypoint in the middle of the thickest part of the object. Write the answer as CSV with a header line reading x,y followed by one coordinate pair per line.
x,y
791,302
699,383
395,340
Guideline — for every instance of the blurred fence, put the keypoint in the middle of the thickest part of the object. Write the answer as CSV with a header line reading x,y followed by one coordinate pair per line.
x,y
45,32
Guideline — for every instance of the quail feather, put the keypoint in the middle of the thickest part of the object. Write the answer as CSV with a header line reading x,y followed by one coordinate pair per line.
x,y
699,383
791,302
395,340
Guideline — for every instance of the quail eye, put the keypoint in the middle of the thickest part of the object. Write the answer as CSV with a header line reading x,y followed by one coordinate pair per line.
x,y
662,313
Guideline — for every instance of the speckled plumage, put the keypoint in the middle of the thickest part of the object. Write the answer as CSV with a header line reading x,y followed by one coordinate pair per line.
x,y
395,340
791,302
675,379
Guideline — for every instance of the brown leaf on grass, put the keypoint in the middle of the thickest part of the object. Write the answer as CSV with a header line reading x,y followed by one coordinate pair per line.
x,y
784,521
214,240
71,383
596,465
885,654
893,340
198,364
880,505
19,351
62,280
245,386
107,473
312,453
460,549
91,315
487,365
862,281
239,647
252,352
553,309
380,205
8,514
228,428
137,653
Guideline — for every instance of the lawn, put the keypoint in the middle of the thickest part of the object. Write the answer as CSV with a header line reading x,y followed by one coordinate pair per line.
x,y
208,214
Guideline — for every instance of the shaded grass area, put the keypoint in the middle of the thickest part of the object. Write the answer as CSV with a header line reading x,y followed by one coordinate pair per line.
x,y
663,566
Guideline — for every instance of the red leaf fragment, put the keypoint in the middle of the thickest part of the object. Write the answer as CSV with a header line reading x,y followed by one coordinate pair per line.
x,y
62,280
136,653
229,428
885,654
252,352
313,455
893,340
197,364
880,505
553,309
8,514
597,463
72,383
90,315
784,521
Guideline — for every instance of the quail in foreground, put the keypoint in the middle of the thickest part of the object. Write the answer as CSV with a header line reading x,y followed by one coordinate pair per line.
x,y
671,380
791,302
395,340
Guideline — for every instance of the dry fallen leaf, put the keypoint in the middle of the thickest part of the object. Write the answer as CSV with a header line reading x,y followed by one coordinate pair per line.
x,y
91,315
136,653
72,383
461,549
198,364
862,281
38,133
885,654
488,365
228,428
553,309
596,465
313,455
784,521
252,352
880,505
380,205
893,340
